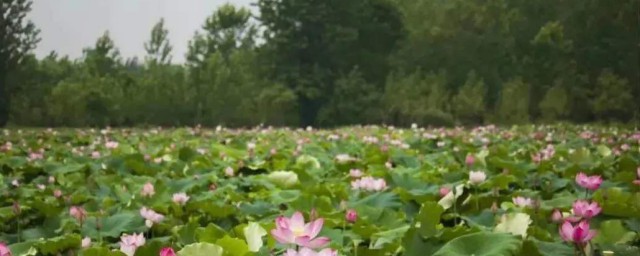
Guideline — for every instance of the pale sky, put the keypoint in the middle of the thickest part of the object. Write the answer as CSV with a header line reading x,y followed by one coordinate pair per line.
x,y
68,26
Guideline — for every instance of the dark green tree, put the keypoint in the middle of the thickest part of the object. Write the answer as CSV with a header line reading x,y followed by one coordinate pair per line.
x,y
310,43
18,37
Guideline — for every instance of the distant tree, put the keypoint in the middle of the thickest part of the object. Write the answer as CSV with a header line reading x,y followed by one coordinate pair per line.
x,y
17,38
468,105
513,105
612,98
103,58
555,104
158,47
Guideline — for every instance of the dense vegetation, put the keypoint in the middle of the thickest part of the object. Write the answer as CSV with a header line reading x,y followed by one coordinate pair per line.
x,y
527,191
337,62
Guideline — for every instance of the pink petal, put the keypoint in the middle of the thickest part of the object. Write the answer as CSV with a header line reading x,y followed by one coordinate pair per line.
x,y
312,229
282,222
319,242
327,252
306,252
566,231
283,236
590,235
290,252
296,221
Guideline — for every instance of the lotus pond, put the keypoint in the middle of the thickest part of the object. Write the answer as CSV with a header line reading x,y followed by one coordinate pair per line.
x,y
528,190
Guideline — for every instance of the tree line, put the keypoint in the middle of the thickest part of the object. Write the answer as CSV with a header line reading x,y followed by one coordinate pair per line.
x,y
342,62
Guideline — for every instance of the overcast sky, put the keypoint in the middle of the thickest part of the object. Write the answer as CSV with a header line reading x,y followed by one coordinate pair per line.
x,y
68,26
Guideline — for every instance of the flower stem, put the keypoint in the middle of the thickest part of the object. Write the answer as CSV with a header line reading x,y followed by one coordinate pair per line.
x,y
477,200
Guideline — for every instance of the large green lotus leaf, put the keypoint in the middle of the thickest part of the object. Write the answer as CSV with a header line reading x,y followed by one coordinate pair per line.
x,y
150,248
532,247
381,238
380,200
187,233
201,249
481,244
429,218
58,244
514,223
233,246
114,225
209,234
23,249
415,245
284,196
613,232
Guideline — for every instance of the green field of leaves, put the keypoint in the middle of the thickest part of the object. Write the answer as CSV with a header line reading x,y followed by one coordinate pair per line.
x,y
528,190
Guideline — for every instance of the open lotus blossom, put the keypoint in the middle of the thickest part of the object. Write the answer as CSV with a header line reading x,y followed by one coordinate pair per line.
x,y
369,184
167,251
180,198
151,217
130,243
309,252
578,234
584,209
95,154
4,250
86,242
147,190
78,213
355,173
522,201
57,193
477,177
588,182
295,231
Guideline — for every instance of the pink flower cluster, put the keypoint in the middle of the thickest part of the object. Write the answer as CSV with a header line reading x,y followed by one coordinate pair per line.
x,y
130,243
369,184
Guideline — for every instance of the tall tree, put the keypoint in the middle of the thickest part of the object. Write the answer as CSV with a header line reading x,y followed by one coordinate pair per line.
x,y
158,47
310,43
18,37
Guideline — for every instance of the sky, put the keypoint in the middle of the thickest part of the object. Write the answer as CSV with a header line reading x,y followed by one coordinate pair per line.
x,y
68,26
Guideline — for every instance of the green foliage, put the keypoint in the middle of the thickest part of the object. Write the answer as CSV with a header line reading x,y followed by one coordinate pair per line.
x,y
513,105
468,104
613,98
334,63
555,104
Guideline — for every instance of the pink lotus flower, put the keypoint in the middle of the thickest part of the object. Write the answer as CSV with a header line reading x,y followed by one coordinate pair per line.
x,y
477,177
111,144
229,171
556,216
584,209
4,250
469,160
309,252
78,213
294,231
351,216
57,193
147,190
167,251
355,173
86,242
522,201
588,182
369,184
130,243
579,234
444,191
95,154
180,198
151,217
